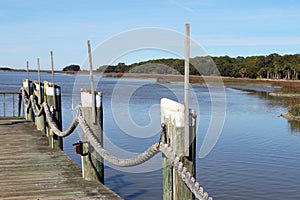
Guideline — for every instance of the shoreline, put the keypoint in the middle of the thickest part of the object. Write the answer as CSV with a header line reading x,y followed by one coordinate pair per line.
x,y
139,75
270,86
279,94
290,117
277,84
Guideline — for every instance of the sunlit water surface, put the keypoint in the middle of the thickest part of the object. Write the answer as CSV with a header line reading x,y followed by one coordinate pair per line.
x,y
257,155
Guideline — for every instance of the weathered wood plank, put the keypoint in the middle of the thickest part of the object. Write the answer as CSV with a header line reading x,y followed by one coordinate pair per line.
x,y
40,121
172,117
29,169
89,171
55,141
28,88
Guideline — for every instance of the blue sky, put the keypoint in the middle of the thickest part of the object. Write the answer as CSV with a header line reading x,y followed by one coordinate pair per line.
x,y
32,28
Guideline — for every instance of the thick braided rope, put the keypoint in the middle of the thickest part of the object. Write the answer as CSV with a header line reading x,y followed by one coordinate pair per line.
x,y
190,181
139,159
53,125
37,112
26,101
31,102
143,157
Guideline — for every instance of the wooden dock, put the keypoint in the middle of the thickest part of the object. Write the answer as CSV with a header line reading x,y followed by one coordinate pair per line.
x,y
29,169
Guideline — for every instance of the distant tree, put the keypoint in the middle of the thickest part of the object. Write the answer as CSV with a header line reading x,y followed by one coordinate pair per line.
x,y
72,68
5,68
262,73
273,66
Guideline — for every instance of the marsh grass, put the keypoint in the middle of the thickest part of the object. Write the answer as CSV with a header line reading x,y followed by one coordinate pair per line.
x,y
294,109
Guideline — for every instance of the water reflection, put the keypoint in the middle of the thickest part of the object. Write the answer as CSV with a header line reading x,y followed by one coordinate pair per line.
x,y
255,157
294,127
278,104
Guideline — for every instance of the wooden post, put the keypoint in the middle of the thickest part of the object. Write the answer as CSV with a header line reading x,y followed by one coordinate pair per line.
x,y
27,66
19,104
92,165
172,117
4,107
28,89
13,104
55,141
186,85
52,66
92,82
39,79
38,92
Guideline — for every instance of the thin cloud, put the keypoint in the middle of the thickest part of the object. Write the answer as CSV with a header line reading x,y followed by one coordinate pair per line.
x,y
180,5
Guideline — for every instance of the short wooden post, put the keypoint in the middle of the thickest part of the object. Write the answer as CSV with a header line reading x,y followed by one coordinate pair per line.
x,y
28,89
55,141
4,107
13,105
38,92
92,165
19,104
172,117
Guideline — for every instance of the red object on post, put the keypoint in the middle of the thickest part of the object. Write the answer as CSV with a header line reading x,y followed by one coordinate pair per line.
x,y
78,148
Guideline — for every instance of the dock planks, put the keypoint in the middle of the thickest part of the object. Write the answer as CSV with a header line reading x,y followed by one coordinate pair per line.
x,y
29,169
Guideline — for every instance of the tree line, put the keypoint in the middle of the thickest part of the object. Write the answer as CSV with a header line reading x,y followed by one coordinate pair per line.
x,y
273,66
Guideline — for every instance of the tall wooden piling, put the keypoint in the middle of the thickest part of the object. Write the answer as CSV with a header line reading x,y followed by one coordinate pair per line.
x,y
29,115
52,67
27,68
56,142
172,117
92,82
92,164
186,82
39,97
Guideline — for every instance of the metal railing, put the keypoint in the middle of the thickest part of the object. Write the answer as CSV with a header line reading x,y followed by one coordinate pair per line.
x,y
9,104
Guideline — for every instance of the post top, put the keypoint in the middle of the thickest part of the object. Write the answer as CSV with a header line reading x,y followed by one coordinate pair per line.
x,y
48,84
89,91
37,82
172,110
86,98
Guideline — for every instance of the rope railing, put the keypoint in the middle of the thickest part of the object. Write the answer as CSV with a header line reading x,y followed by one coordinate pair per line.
x,y
32,103
26,101
145,156
186,176
139,159
53,125
36,112
189,180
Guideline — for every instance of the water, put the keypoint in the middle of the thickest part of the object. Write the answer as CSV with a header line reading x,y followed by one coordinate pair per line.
x,y
256,157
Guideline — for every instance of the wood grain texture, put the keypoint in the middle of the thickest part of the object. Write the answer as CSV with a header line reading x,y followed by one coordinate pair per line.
x,y
29,169
173,119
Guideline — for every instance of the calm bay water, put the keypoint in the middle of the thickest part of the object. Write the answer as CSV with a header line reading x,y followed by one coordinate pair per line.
x,y
256,157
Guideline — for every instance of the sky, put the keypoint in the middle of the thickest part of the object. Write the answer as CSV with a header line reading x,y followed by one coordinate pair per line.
x,y
31,29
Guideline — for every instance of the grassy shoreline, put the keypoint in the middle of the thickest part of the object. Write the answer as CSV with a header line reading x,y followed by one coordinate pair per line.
x,y
289,86
293,113
290,117
286,88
